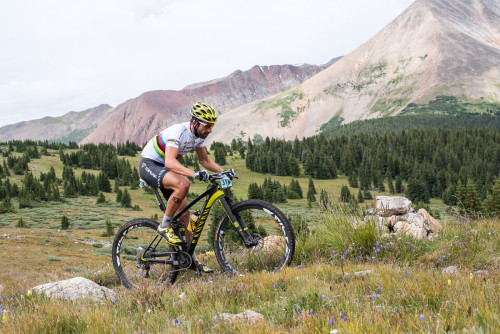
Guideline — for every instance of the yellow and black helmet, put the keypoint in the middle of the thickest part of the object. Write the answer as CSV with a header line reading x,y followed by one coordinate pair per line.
x,y
204,113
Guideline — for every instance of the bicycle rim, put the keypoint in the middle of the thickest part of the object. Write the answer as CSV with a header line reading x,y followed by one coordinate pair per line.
x,y
267,224
132,242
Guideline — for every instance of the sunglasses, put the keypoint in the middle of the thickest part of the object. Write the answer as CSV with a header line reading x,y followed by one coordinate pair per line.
x,y
207,125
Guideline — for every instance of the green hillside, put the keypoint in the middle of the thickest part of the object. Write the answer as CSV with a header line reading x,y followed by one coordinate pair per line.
x,y
342,278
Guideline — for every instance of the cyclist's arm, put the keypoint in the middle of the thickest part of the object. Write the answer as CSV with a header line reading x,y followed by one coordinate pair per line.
x,y
173,164
205,160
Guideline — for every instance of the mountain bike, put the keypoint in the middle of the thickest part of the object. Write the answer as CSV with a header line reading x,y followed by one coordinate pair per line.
x,y
251,235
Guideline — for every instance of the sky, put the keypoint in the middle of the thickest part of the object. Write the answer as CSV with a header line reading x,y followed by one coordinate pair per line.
x,y
58,56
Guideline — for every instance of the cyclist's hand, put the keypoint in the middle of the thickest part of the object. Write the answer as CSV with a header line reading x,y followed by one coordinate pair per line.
x,y
201,175
230,173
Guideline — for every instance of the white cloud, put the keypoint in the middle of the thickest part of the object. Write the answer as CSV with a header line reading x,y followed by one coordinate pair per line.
x,y
64,55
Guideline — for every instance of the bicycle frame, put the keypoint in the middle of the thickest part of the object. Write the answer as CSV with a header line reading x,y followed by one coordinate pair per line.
x,y
214,193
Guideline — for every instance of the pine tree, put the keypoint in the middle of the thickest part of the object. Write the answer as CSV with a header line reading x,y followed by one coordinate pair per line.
x,y
254,191
492,202
110,231
21,223
6,205
345,194
55,195
64,223
101,199
390,184
119,195
416,191
380,185
295,187
353,179
367,194
472,201
103,183
126,200
398,185
294,166
5,168
220,155
361,199
311,191
461,195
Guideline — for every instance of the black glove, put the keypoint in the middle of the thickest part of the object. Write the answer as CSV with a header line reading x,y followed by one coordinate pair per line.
x,y
230,173
201,175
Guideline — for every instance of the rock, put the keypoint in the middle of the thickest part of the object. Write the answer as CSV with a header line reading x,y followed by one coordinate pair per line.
x,y
415,230
270,244
248,315
434,225
76,288
481,272
400,226
392,205
392,220
362,273
450,270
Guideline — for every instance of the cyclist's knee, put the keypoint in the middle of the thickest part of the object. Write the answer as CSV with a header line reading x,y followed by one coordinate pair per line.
x,y
183,186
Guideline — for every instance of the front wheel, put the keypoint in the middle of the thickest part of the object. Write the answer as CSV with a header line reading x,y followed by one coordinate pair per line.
x,y
137,239
268,225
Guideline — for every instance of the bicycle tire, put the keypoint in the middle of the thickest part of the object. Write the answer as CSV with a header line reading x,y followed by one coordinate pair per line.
x,y
275,233
132,236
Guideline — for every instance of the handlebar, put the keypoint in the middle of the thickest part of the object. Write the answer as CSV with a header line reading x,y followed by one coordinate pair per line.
x,y
228,172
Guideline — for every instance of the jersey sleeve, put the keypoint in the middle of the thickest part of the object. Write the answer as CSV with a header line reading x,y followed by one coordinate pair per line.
x,y
171,137
200,143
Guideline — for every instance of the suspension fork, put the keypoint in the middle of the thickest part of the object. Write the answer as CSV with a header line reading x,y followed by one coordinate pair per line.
x,y
238,222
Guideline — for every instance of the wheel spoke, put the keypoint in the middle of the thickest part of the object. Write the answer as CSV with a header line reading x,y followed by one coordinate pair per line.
x,y
135,242
275,241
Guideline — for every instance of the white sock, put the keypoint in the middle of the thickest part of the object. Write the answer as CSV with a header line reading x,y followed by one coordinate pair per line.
x,y
166,221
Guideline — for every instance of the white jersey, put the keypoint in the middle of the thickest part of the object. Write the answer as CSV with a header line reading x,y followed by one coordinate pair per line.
x,y
178,136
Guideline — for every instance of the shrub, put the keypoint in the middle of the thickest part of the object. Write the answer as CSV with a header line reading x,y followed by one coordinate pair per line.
x,y
299,225
64,223
110,230
101,199
126,200
21,223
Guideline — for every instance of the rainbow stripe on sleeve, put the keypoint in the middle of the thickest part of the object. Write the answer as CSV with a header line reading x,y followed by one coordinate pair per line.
x,y
159,145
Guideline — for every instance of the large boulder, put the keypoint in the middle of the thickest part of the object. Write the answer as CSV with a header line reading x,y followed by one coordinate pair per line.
x,y
395,215
76,288
434,225
392,205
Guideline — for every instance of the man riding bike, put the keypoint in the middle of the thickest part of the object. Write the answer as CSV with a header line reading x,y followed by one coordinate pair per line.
x,y
159,167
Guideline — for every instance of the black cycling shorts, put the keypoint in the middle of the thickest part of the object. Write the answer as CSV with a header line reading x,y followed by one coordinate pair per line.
x,y
152,172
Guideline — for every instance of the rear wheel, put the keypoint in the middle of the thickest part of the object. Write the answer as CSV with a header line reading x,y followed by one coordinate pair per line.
x,y
131,242
267,224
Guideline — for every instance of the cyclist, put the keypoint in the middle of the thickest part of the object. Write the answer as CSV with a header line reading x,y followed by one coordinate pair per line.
x,y
159,167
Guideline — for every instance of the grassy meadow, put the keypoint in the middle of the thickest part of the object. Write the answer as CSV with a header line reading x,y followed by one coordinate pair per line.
x,y
404,287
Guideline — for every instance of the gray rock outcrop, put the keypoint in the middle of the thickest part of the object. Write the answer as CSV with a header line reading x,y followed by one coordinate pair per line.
x,y
392,205
76,288
434,225
395,215
248,315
